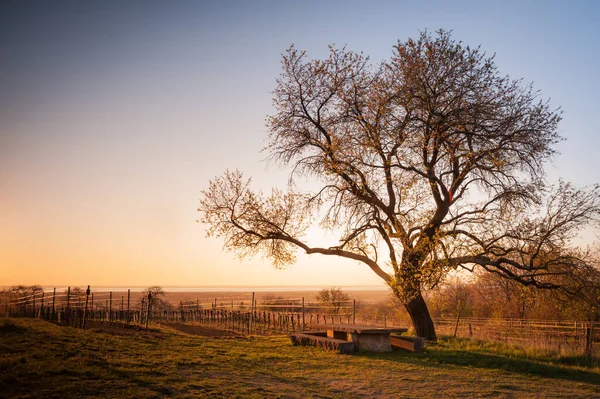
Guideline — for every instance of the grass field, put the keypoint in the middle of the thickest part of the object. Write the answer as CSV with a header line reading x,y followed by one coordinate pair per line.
x,y
39,359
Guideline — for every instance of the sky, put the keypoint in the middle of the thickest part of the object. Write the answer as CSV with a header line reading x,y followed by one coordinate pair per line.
x,y
114,115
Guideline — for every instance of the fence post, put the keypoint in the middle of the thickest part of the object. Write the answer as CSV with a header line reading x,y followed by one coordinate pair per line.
x,y
87,297
141,316
458,320
589,339
41,314
110,307
53,301
251,315
68,314
354,311
303,322
128,308
149,306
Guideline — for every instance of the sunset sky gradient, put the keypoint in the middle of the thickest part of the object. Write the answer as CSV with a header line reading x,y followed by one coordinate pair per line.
x,y
114,115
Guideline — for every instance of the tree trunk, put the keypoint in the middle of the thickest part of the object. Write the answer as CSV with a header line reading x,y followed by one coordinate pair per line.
x,y
421,319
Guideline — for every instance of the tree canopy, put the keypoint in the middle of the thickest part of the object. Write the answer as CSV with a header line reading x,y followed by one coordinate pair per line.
x,y
427,162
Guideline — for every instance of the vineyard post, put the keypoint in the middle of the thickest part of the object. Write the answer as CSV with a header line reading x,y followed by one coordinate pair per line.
x,y
149,305
128,302
354,311
87,297
53,301
141,315
215,305
33,309
110,307
251,315
41,314
67,315
303,323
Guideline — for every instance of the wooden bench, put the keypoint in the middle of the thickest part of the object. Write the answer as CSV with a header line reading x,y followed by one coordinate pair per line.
x,y
413,344
321,340
364,337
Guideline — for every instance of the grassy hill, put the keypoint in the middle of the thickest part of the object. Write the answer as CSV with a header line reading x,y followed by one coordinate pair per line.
x,y
39,359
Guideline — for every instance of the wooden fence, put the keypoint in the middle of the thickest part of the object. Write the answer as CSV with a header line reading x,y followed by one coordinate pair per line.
x,y
253,317
271,316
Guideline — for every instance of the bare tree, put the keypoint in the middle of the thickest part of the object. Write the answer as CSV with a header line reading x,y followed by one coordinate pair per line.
x,y
454,298
427,162
154,294
333,297
23,292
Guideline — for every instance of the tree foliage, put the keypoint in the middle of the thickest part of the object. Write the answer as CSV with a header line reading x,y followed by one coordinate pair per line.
x,y
427,162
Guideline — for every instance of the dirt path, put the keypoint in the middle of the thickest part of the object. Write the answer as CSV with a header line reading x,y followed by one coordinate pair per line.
x,y
191,329
194,329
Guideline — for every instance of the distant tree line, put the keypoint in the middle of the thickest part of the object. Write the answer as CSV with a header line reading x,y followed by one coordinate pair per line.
x,y
491,296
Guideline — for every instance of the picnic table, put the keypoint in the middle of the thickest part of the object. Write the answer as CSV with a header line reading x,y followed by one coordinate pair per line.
x,y
364,337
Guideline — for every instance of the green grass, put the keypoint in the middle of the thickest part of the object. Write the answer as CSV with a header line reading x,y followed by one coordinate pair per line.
x,y
39,359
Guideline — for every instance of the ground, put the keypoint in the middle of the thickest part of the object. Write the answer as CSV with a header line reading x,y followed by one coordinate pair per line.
x,y
39,359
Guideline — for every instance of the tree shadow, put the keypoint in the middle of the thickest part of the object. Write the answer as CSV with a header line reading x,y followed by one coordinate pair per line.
x,y
433,357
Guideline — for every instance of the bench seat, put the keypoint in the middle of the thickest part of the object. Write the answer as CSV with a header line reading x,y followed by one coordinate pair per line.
x,y
321,340
413,344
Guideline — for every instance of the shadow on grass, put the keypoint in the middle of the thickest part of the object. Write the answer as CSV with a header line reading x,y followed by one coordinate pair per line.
x,y
440,357
8,326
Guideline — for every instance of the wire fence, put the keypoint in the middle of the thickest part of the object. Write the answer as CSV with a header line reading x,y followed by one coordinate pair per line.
x,y
248,315
566,337
76,308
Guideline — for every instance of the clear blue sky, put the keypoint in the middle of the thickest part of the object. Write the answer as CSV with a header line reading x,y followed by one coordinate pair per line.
x,y
115,114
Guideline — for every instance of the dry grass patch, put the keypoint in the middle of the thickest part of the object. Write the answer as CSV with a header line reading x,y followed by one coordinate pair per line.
x,y
39,359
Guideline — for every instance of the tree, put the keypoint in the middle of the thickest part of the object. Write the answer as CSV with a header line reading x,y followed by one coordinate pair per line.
x,y
153,293
454,298
427,162
23,292
21,295
333,297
